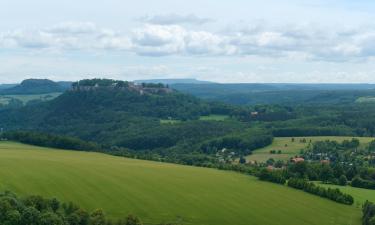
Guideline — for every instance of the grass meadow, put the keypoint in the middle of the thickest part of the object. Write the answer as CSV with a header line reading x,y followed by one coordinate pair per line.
x,y
161,192
4,99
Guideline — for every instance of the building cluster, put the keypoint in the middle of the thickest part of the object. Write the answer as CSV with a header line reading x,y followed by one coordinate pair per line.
x,y
125,86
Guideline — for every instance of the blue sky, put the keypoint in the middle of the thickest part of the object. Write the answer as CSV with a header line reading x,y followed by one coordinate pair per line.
x,y
320,41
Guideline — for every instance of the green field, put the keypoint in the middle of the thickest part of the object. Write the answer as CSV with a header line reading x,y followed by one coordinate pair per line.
x,y
368,99
360,195
4,99
214,117
289,149
160,192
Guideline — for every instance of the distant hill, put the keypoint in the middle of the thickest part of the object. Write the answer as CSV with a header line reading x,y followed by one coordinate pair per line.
x,y
269,93
174,81
120,113
7,86
36,86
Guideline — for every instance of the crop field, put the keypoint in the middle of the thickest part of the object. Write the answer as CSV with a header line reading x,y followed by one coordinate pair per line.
x,y
289,149
4,99
161,192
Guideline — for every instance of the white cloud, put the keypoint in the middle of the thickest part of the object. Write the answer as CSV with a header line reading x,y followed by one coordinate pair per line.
x,y
170,19
66,36
307,42
73,28
156,40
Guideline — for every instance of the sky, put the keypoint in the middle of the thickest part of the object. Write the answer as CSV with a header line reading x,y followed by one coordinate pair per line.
x,y
237,41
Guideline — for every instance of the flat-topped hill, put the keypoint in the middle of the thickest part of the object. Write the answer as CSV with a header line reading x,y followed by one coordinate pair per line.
x,y
36,86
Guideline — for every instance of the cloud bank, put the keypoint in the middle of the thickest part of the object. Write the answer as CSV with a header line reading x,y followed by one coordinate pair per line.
x,y
164,37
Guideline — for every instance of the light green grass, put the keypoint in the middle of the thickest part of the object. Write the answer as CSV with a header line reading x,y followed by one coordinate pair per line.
x,y
160,192
214,117
368,99
4,99
360,195
290,149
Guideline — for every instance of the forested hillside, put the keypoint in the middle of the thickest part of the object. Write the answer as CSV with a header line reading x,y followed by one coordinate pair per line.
x,y
124,117
291,94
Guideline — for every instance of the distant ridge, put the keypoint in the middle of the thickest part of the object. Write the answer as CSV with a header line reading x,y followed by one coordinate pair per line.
x,y
35,86
7,86
175,81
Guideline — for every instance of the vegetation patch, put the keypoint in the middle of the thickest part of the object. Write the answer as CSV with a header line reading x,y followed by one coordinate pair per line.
x,y
36,210
5,100
214,117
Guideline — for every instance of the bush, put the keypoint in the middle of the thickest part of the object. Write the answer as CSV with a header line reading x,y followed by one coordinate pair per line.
x,y
368,211
361,183
342,180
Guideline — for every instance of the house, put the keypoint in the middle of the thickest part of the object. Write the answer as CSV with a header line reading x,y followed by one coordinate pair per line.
x,y
252,162
270,168
297,159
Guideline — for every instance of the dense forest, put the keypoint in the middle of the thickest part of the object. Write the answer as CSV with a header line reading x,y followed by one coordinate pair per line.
x,y
286,94
36,210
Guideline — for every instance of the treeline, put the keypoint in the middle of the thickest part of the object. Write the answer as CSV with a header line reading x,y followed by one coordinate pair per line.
x,y
312,131
368,210
36,210
332,194
169,135
361,183
48,140
280,177
274,177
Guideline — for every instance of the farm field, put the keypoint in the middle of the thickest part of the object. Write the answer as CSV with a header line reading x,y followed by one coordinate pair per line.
x,y
360,195
215,117
161,192
289,149
4,99
368,99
